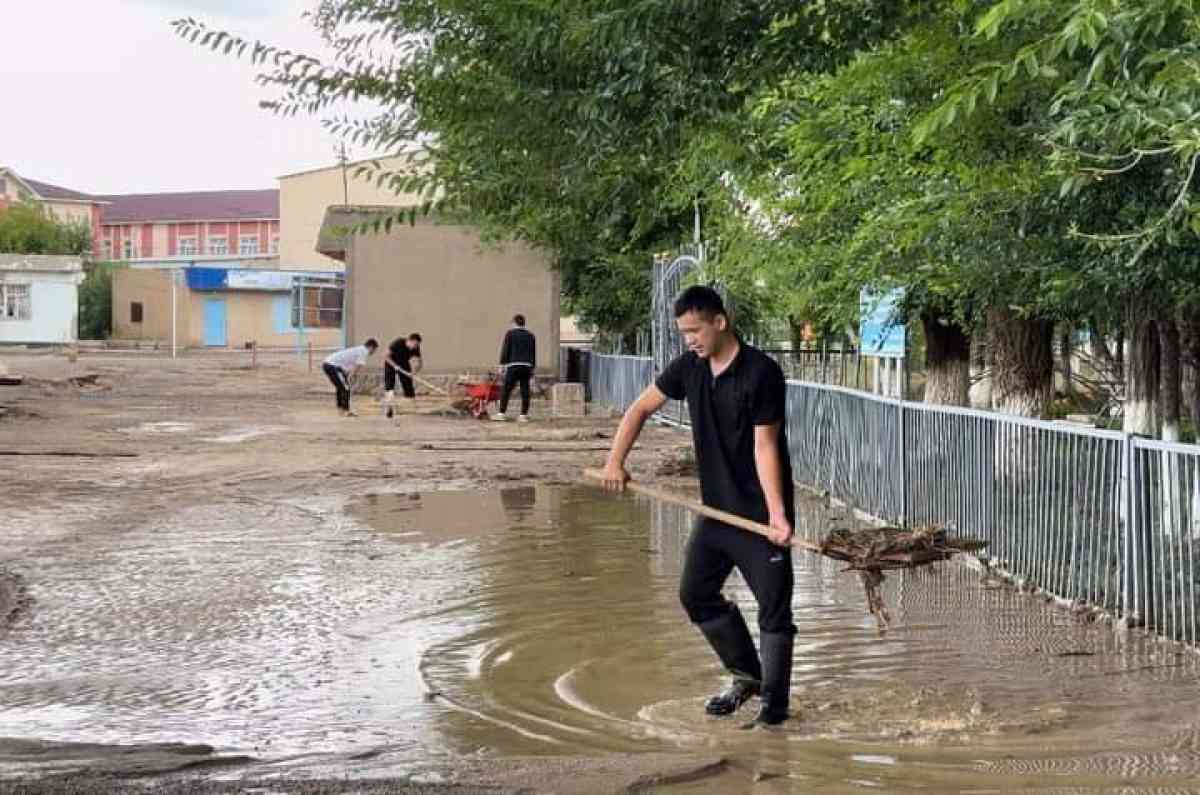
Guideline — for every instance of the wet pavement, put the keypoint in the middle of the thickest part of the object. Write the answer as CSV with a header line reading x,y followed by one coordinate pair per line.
x,y
420,632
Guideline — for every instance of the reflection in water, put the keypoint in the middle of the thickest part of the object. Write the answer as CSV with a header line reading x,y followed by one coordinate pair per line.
x,y
518,502
537,621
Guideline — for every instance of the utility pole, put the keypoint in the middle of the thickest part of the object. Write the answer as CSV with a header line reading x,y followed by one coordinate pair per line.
x,y
343,161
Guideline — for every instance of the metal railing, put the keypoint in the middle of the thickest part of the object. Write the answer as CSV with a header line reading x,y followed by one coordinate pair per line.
x,y
1096,519
616,381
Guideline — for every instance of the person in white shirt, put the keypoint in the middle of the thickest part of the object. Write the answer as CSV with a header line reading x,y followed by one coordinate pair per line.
x,y
340,367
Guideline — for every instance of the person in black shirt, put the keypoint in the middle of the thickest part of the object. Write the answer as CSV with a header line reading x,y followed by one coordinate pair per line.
x,y
518,355
735,396
402,360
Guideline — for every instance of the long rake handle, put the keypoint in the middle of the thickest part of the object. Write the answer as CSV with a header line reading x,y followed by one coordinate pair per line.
x,y
698,507
422,381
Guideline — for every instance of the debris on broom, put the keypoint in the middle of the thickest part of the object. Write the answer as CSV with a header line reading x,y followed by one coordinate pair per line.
x,y
872,550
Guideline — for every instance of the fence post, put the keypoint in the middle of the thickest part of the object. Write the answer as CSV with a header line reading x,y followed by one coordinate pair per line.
x,y
310,356
1128,561
253,354
903,461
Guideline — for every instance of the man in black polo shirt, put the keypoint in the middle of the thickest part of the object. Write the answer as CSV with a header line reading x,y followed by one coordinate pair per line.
x,y
735,396
403,358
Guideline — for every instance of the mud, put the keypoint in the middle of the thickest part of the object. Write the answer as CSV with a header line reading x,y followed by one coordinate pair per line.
x,y
273,599
15,601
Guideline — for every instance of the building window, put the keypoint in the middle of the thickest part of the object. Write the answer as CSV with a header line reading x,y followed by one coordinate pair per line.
x,y
135,312
275,244
218,245
322,307
106,249
127,247
187,246
248,245
15,302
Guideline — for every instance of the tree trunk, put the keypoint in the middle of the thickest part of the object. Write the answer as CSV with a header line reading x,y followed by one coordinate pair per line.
x,y
1170,386
1189,344
1141,371
1142,362
796,328
1065,353
1119,357
947,362
1022,363
981,372
1189,354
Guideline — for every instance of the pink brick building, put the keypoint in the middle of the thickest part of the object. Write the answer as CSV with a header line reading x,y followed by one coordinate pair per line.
x,y
227,224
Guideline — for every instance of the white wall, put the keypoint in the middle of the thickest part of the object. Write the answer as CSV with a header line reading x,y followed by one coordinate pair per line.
x,y
55,308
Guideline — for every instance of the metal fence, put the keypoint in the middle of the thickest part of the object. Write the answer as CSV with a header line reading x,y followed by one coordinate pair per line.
x,y
1094,518
617,381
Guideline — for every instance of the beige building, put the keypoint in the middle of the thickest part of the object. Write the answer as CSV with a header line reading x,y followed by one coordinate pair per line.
x,y
205,309
441,280
305,196
64,204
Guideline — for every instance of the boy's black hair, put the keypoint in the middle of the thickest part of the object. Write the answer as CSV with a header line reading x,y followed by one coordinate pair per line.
x,y
371,342
519,320
415,336
702,300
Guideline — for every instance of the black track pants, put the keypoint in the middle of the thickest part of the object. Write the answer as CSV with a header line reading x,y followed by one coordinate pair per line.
x,y
516,374
338,376
390,374
713,551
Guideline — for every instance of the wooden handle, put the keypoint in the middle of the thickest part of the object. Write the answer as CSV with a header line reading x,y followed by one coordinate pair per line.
x,y
702,509
422,381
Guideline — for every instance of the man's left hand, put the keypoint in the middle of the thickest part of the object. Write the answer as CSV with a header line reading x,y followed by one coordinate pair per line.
x,y
781,530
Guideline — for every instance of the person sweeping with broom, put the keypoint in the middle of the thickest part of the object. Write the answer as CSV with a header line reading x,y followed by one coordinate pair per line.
x,y
339,367
735,395
402,360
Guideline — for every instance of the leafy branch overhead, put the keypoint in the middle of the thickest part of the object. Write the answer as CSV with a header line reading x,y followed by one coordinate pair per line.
x,y
561,124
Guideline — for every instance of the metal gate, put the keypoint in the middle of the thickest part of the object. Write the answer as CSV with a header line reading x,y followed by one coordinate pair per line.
x,y
670,274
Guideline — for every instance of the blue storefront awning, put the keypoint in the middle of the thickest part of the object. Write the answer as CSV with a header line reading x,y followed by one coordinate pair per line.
x,y
207,278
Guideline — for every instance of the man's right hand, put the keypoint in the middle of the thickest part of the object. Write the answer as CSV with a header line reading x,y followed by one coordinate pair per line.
x,y
615,477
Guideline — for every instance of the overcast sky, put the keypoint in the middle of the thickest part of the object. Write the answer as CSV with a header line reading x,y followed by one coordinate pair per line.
x,y
101,96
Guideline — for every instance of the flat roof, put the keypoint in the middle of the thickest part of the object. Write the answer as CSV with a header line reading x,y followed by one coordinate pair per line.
x,y
44,263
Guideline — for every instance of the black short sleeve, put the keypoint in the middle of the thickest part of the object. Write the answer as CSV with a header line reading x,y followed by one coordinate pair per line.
x,y
769,396
671,381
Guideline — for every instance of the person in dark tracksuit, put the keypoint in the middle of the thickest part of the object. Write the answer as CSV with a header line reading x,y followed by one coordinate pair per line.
x,y
518,355
735,395
340,366
402,360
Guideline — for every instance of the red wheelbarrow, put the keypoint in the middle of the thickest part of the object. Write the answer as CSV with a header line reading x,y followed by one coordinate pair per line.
x,y
480,395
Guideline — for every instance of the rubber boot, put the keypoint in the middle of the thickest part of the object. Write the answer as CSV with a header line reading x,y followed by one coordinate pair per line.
x,y
730,639
777,678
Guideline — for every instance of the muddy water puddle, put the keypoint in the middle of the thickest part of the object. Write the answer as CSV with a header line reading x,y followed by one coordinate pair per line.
x,y
405,631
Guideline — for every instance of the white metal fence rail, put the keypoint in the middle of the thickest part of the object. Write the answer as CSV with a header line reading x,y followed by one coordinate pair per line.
x,y
1094,518
617,381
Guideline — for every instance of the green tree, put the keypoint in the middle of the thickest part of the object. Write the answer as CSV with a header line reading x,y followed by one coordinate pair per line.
x,y
95,300
1120,125
26,228
836,194
561,124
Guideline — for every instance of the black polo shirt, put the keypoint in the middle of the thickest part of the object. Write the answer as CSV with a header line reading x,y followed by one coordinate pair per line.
x,y
750,391
400,353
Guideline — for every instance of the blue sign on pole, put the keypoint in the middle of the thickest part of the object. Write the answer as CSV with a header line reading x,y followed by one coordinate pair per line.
x,y
881,323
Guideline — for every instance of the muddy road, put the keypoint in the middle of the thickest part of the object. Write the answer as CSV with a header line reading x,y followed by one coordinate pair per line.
x,y
217,585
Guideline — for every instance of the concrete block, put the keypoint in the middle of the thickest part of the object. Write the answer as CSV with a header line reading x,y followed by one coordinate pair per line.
x,y
566,400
